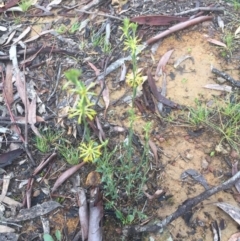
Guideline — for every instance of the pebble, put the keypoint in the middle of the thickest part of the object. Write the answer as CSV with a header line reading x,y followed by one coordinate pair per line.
x,y
204,164
221,80
189,156
220,149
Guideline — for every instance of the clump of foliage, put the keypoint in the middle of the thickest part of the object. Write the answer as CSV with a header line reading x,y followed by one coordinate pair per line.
x,y
47,140
49,237
223,118
126,166
25,5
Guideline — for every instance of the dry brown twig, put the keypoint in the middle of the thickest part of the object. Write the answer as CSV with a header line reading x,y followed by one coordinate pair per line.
x,y
211,9
182,209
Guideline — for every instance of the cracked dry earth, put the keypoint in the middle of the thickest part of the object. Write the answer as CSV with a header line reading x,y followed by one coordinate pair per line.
x,y
178,149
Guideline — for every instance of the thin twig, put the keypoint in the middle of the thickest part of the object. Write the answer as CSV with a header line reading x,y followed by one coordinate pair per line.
x,y
103,80
57,82
10,113
212,9
100,14
227,77
26,113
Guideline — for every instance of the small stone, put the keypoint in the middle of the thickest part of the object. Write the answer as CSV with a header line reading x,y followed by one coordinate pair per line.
x,y
189,156
204,164
221,80
93,179
36,193
220,149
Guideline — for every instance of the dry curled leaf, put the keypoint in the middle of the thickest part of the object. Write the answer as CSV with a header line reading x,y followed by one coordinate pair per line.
x,y
157,20
235,237
83,213
232,211
65,175
162,63
7,158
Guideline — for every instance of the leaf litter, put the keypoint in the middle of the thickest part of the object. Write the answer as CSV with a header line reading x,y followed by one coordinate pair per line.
x,y
41,64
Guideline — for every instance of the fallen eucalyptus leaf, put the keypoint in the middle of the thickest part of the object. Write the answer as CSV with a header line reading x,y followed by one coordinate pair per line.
x,y
232,211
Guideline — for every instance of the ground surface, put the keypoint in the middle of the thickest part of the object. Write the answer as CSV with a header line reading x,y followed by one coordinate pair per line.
x,y
178,149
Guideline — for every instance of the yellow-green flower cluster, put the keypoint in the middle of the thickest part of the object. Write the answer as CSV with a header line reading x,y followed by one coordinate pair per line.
x,y
84,108
90,151
134,82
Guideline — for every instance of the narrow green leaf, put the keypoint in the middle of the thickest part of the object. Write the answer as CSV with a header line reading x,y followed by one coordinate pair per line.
x,y
47,237
58,235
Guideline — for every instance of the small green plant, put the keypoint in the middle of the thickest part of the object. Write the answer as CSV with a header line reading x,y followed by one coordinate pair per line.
x,y
48,237
199,114
236,5
131,216
47,139
131,44
42,144
229,41
99,41
125,166
70,154
25,5
189,50
229,123
118,170
212,153
224,119
184,81
74,27
62,29
84,108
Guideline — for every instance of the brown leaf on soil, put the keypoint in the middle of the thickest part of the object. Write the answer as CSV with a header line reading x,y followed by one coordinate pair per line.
x,y
147,97
7,85
83,213
158,20
178,27
101,135
22,35
8,5
95,216
235,237
96,70
65,175
216,42
232,211
157,95
161,67
105,94
7,158
43,163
